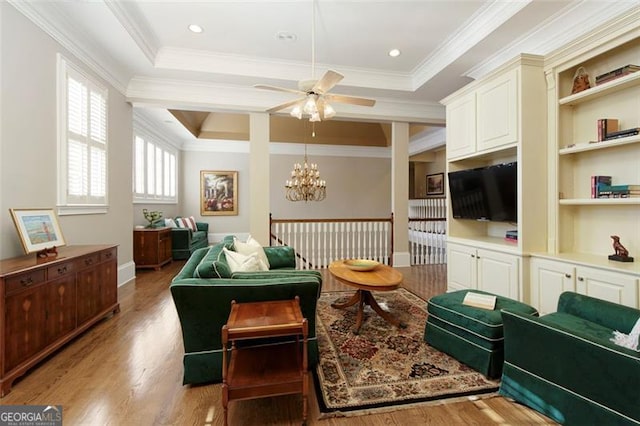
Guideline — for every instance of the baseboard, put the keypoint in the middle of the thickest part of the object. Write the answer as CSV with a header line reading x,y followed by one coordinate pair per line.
x,y
126,273
401,259
217,237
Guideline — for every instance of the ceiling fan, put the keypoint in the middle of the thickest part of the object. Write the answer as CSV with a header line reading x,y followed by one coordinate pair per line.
x,y
314,97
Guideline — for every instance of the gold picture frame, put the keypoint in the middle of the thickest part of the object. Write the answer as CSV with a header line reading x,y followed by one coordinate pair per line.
x,y
218,193
38,229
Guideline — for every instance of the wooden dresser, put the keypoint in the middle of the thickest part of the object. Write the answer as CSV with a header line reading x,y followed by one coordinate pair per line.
x,y
47,302
151,247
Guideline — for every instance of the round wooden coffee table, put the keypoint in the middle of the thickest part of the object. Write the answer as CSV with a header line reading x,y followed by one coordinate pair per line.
x,y
382,278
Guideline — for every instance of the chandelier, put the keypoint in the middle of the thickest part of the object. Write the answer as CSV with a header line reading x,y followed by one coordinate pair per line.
x,y
305,184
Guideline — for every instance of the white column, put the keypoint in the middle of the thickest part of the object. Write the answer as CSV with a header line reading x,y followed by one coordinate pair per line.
x,y
259,177
400,193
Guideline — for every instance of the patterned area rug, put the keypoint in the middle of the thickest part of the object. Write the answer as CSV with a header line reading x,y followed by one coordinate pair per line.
x,y
385,366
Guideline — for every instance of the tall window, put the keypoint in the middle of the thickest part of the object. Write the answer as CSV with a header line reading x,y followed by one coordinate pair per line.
x,y
155,169
82,142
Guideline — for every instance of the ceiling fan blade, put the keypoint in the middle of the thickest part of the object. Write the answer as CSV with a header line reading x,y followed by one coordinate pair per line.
x,y
278,89
283,106
326,83
350,100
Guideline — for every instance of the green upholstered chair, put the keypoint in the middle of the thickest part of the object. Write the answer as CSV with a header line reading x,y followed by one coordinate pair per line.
x,y
203,304
473,336
565,366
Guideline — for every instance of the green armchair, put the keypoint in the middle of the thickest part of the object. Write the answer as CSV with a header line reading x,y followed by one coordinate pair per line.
x,y
203,305
564,364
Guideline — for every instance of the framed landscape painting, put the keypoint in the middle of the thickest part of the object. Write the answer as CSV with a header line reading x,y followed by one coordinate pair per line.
x,y
218,193
38,229
435,184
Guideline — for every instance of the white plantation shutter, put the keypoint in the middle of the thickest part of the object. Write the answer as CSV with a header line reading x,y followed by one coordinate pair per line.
x,y
139,169
155,167
83,139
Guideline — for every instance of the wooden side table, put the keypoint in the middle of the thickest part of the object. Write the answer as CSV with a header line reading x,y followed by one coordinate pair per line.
x,y
152,247
268,370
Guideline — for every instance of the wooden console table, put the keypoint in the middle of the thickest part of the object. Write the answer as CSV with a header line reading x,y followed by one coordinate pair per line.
x,y
44,303
269,370
152,247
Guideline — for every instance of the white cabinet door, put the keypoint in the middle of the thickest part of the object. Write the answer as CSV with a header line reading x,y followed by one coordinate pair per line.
x,y
497,112
461,126
461,267
548,280
498,273
611,286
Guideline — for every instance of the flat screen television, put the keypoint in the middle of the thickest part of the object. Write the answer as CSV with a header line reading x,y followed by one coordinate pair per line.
x,y
485,193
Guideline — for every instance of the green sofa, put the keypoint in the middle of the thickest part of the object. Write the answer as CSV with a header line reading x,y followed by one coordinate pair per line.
x,y
184,241
203,304
565,366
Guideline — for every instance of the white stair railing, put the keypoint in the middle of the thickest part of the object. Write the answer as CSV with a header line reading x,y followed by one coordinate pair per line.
x,y
318,242
427,231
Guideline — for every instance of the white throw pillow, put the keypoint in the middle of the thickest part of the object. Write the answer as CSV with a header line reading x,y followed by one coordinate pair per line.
x,y
170,223
242,263
251,246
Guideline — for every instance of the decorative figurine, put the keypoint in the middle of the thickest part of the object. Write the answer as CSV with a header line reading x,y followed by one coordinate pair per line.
x,y
621,253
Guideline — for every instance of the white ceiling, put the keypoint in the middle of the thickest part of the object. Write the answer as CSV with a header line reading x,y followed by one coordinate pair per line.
x,y
146,51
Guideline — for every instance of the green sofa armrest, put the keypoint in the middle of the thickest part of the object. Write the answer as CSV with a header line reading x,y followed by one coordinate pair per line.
x,y
607,314
565,374
280,257
202,226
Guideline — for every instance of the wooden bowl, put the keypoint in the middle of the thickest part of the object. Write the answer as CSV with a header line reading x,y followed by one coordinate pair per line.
x,y
361,265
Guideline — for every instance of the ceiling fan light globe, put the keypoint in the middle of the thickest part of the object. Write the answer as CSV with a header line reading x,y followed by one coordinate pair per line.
x,y
296,112
315,117
310,106
329,111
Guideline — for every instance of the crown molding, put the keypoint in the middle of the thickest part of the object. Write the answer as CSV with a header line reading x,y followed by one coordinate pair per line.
x,y
127,14
431,140
205,96
618,30
251,66
486,20
282,148
146,124
47,16
555,32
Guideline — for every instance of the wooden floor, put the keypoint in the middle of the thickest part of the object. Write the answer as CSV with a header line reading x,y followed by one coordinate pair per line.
x,y
127,370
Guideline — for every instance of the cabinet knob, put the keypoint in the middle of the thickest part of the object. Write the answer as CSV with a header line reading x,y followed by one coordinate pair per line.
x,y
62,270
473,255
567,275
580,279
26,281
88,261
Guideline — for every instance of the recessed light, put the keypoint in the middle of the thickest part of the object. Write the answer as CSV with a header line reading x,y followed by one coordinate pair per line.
x,y
394,53
286,36
195,28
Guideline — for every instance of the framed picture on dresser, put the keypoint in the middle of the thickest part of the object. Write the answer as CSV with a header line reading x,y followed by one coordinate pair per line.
x,y
38,229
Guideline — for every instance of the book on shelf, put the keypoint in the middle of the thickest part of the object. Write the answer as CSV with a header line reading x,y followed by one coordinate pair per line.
x,y
605,187
479,300
617,73
622,133
618,194
596,181
606,126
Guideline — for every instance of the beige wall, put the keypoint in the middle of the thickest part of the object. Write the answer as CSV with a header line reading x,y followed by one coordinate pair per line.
x,y
356,187
28,143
